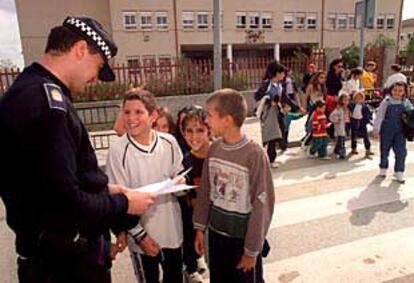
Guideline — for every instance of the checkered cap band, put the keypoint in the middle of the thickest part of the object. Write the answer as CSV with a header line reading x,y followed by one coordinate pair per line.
x,y
92,34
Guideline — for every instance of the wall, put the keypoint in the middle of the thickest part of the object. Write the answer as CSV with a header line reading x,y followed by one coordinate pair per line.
x,y
36,20
174,103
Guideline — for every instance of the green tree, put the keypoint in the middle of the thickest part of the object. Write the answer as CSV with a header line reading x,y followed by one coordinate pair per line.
x,y
410,48
382,41
350,55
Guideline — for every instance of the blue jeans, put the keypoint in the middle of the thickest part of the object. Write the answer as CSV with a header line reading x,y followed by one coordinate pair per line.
x,y
397,142
340,147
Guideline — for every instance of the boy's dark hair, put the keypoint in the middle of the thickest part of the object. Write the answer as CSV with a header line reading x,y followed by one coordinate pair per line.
x,y
196,113
319,104
164,112
61,39
396,68
142,95
230,102
273,68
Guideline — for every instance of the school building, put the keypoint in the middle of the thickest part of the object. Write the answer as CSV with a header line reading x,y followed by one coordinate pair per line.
x,y
149,31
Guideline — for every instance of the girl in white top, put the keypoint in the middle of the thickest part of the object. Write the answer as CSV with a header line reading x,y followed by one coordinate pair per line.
x,y
140,157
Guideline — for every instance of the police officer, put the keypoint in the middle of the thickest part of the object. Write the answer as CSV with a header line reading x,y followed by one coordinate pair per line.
x,y
58,201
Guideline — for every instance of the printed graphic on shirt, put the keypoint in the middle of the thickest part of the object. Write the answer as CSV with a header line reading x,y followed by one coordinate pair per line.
x,y
229,186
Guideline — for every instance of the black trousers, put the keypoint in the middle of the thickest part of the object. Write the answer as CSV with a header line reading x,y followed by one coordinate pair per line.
x,y
272,150
62,270
190,256
171,263
224,255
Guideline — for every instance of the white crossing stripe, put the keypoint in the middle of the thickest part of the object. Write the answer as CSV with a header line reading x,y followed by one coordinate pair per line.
x,y
311,208
369,260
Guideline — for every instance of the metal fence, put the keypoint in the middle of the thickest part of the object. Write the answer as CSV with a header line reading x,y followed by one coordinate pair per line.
x,y
180,76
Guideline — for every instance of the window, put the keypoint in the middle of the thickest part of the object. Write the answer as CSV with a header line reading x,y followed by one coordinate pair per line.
x,y
266,20
351,21
149,63
133,64
300,20
380,22
390,21
162,22
202,20
133,61
254,20
332,21
240,20
188,20
342,22
288,21
130,20
311,21
165,63
146,20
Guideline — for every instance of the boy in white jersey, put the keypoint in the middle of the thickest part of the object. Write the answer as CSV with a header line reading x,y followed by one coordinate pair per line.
x,y
143,156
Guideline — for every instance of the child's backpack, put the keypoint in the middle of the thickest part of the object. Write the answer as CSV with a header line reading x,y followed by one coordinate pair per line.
x,y
408,124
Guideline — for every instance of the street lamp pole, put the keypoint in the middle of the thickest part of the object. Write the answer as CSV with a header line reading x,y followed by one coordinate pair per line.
x,y
218,69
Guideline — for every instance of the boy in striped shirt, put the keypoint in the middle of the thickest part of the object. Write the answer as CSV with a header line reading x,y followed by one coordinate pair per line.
x,y
319,134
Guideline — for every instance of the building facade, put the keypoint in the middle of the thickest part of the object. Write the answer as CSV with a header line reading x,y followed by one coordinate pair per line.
x,y
407,33
148,31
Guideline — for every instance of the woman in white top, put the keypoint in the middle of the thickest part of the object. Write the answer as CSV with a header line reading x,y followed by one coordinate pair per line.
x,y
353,84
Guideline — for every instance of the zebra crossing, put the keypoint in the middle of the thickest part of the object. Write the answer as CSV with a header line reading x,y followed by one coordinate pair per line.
x,y
337,222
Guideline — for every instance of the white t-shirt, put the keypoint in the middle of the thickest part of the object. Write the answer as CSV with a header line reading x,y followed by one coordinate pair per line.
x,y
134,165
357,114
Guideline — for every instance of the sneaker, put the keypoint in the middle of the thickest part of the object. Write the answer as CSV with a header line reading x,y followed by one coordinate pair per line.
x,y
326,158
354,152
400,177
382,173
274,165
309,153
195,277
369,153
201,266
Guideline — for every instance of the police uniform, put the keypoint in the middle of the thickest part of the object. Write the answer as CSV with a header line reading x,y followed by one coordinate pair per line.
x,y
56,197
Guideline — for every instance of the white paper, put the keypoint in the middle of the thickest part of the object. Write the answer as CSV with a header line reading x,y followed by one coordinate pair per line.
x,y
166,187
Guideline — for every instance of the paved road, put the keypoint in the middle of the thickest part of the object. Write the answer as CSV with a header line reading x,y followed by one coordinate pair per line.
x,y
335,221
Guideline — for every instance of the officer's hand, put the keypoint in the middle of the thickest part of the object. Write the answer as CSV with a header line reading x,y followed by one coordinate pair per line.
x,y
376,135
247,263
121,241
199,242
149,246
117,189
138,202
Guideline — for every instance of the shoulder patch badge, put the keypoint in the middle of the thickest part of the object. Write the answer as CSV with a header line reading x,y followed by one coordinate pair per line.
x,y
55,96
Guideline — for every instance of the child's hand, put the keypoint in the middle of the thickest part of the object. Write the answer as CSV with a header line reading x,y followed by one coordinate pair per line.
x,y
199,242
247,263
121,241
114,251
149,246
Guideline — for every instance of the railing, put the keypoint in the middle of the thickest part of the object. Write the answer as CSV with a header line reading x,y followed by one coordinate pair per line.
x,y
180,76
